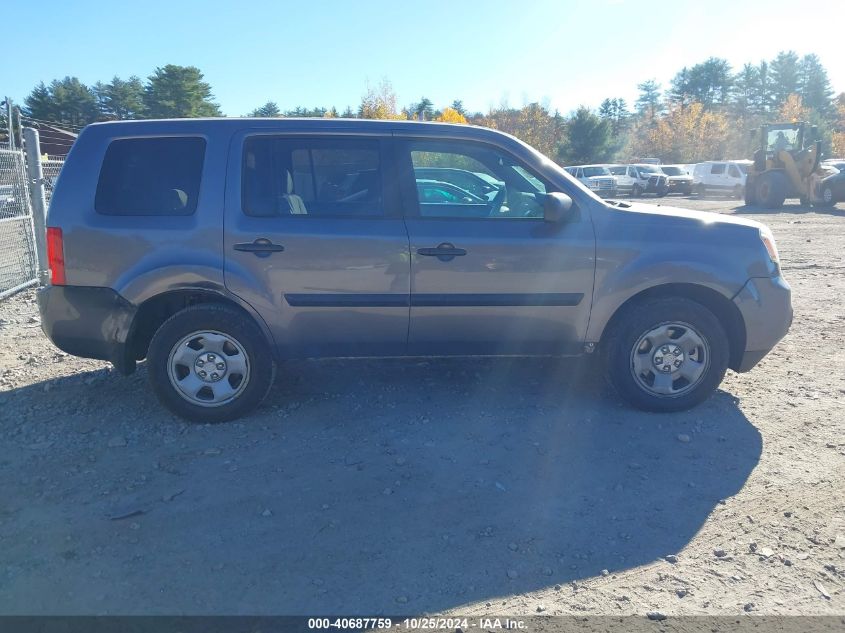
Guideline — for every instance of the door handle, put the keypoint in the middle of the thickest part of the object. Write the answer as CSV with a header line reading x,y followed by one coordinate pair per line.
x,y
261,247
444,252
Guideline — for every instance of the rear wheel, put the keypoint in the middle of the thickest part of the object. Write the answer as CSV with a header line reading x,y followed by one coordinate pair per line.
x,y
701,190
210,363
666,354
636,191
771,190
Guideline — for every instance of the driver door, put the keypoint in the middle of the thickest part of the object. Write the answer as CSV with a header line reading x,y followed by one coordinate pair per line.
x,y
491,277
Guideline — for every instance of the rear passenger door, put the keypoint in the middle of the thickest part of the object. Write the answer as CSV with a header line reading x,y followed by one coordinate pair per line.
x,y
315,242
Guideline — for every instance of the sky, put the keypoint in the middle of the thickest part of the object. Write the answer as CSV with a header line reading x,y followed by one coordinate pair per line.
x,y
560,53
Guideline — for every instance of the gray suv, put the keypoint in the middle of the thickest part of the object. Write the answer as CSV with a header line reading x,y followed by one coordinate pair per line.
x,y
217,248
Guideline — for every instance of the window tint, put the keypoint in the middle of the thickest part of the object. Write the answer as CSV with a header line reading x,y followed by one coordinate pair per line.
x,y
151,176
311,177
718,168
442,171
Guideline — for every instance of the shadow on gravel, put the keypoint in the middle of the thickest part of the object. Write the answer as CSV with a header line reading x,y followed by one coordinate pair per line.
x,y
381,487
790,208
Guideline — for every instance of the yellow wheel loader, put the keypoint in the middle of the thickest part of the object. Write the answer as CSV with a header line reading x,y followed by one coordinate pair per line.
x,y
786,165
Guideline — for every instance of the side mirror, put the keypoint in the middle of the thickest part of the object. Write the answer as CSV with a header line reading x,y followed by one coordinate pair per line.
x,y
557,207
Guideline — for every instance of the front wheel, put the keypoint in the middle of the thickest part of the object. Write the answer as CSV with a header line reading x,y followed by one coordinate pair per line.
x,y
666,354
750,192
210,363
636,191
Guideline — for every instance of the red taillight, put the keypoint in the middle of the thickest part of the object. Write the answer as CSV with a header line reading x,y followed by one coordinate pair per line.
x,y
56,256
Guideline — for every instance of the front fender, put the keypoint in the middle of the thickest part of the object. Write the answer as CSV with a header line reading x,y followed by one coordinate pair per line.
x,y
617,284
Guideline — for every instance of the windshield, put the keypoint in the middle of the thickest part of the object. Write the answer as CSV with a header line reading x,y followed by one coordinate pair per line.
x,y
596,171
673,171
649,169
778,140
619,170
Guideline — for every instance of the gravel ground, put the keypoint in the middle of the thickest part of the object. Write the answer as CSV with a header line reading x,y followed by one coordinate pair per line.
x,y
465,486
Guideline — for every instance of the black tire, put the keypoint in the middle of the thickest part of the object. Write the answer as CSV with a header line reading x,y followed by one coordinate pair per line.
x,y
662,193
771,190
619,350
826,198
750,192
229,322
636,191
701,190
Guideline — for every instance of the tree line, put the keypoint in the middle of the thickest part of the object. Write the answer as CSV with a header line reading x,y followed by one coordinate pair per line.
x,y
706,111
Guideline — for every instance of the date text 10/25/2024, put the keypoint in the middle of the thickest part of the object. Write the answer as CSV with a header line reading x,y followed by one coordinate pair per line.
x,y
416,624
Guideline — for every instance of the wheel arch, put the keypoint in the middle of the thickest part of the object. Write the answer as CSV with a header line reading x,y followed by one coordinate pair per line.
x,y
722,307
155,310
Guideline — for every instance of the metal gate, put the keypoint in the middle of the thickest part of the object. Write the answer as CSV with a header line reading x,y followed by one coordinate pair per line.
x,y
18,255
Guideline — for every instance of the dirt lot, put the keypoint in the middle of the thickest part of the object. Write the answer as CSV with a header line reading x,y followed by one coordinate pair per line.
x,y
470,486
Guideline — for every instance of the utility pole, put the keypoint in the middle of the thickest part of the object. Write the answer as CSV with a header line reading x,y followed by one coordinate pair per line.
x,y
9,124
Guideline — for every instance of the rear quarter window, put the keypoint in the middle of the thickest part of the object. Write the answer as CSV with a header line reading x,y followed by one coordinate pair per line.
x,y
151,176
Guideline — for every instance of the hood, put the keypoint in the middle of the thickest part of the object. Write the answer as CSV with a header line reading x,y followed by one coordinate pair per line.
x,y
704,217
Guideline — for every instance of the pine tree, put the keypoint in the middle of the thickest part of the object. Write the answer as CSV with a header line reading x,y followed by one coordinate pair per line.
x,y
648,103
785,77
178,92
269,109
121,99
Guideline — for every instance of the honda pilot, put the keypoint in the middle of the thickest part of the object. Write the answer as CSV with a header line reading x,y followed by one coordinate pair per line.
x,y
216,248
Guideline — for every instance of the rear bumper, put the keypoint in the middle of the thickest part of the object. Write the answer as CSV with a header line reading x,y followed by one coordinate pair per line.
x,y
89,322
766,307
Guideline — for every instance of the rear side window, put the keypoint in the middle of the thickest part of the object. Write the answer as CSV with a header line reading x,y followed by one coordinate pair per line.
x,y
718,168
312,177
151,176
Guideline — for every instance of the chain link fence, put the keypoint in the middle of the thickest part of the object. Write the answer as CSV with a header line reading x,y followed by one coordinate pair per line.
x,y
27,180
51,168
18,256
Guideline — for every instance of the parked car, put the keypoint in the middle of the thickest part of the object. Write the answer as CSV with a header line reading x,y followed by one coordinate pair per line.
x,y
832,190
679,180
216,248
476,184
834,163
595,177
635,180
436,191
726,177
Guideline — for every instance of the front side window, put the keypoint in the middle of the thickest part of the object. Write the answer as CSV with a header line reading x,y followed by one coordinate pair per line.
x,y
515,192
733,171
311,177
151,176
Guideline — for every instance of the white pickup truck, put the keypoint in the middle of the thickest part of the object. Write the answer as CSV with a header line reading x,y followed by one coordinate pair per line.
x,y
597,177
